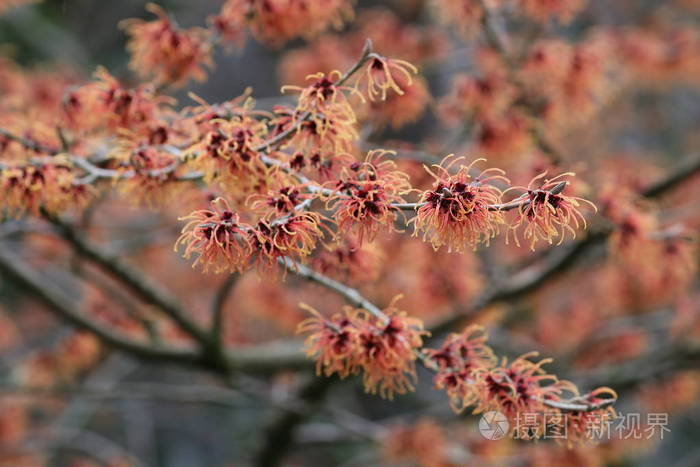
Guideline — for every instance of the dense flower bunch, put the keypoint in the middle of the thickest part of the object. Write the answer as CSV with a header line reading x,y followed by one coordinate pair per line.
x,y
381,347
166,54
363,195
461,360
465,366
218,237
458,211
223,243
105,104
546,215
278,21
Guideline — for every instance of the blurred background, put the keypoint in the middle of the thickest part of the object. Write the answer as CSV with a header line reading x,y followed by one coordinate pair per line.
x,y
66,399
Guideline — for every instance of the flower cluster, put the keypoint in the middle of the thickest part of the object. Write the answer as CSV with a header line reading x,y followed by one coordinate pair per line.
x,y
223,243
391,36
382,348
326,101
165,53
48,185
150,179
458,211
218,237
469,372
546,215
278,21
227,152
461,361
105,104
363,195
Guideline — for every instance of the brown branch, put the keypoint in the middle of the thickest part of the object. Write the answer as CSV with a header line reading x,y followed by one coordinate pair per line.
x,y
262,358
218,308
679,175
53,298
495,33
351,295
279,434
134,280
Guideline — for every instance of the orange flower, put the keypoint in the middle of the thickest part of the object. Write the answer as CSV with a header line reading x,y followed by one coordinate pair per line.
x,y
400,110
505,137
364,193
422,441
547,216
560,10
154,179
325,100
331,342
457,211
461,361
218,237
327,135
278,21
226,152
384,75
348,258
230,24
52,186
481,98
167,54
464,14
106,103
520,388
385,351
294,237
281,201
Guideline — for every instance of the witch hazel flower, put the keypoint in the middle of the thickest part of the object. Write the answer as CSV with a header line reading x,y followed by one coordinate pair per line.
x,y
363,195
458,211
545,213
384,348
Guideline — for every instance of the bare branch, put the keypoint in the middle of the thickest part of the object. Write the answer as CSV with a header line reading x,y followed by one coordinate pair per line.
x,y
133,279
218,308
42,290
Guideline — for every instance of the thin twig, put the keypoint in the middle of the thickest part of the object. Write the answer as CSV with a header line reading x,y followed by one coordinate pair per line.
x,y
521,201
42,290
218,308
130,277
